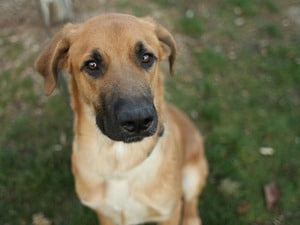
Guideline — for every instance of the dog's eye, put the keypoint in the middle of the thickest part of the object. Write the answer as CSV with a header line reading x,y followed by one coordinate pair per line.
x,y
92,68
95,65
147,60
91,65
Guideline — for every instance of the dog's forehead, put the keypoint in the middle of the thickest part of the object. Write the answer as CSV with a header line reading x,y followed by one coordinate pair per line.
x,y
112,30
115,18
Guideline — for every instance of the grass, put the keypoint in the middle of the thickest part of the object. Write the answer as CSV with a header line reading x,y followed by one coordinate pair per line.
x,y
242,91
190,23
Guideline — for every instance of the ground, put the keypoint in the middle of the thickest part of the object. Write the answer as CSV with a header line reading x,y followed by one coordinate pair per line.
x,y
237,76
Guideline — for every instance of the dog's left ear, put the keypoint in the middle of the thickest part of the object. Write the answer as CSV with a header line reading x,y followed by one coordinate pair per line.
x,y
168,45
167,42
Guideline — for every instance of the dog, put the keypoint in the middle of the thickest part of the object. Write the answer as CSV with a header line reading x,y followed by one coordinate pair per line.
x,y
135,158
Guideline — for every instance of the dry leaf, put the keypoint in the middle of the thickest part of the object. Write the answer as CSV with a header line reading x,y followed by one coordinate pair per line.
x,y
272,195
266,151
229,186
243,207
40,219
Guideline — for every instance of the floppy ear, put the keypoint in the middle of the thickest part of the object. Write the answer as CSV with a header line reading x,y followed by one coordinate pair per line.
x,y
53,57
168,45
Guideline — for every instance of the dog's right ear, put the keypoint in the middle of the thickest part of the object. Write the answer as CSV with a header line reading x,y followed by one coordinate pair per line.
x,y
52,59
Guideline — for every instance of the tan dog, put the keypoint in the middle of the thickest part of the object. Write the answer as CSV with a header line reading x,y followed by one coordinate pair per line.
x,y
135,158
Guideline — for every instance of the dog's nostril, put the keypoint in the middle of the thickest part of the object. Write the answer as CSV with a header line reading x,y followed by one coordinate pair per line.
x,y
138,125
147,122
129,126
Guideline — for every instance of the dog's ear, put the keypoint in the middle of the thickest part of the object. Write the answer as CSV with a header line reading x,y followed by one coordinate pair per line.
x,y
53,58
168,45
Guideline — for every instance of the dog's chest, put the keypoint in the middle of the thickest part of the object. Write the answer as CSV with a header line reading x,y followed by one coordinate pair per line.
x,y
118,195
129,197
124,206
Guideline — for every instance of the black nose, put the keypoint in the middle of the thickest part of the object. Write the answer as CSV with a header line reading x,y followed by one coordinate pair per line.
x,y
136,123
137,118
128,119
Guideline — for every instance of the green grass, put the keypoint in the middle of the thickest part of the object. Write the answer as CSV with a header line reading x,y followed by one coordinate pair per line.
x,y
272,30
240,103
243,104
191,25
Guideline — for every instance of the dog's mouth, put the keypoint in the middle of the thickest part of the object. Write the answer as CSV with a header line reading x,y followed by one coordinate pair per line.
x,y
133,139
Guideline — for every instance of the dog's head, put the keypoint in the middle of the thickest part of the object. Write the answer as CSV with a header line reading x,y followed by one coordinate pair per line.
x,y
113,60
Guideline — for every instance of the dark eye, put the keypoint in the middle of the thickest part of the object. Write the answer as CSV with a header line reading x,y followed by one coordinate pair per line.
x,y
147,60
91,65
92,68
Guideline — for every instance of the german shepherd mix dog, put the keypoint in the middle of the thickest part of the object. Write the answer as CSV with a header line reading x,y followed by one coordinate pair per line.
x,y
135,157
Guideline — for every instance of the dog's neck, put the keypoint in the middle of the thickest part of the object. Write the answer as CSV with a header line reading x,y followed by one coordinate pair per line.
x,y
159,135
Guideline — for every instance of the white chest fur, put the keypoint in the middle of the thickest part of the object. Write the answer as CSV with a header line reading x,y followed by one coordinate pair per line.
x,y
126,197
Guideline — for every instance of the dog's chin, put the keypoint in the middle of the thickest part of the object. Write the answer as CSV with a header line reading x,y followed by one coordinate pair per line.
x,y
125,139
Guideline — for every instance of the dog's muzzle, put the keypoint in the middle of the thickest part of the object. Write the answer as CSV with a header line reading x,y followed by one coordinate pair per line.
x,y
128,119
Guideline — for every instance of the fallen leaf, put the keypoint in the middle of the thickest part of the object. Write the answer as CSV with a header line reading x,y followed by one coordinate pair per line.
x,y
243,207
272,195
229,186
266,151
40,219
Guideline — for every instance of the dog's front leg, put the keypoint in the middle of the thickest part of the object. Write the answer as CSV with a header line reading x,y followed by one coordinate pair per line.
x,y
175,217
103,220
190,213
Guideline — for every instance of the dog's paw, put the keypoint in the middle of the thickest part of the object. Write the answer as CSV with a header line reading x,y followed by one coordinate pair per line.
x,y
192,221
